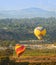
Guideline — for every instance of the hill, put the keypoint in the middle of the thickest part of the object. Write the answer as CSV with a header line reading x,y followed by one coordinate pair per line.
x,y
27,13
22,29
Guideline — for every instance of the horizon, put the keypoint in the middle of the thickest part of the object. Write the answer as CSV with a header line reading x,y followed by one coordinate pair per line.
x,y
28,8
48,5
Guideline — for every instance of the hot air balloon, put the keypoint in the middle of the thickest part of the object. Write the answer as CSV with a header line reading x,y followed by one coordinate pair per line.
x,y
40,32
19,49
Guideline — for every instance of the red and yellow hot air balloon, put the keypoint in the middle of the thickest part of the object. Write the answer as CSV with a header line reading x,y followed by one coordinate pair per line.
x,y
40,32
19,49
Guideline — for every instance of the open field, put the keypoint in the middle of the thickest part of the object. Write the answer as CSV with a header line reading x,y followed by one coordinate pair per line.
x,y
37,56
31,57
38,59
38,52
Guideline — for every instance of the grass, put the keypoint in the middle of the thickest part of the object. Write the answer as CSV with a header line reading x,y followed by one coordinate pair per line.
x,y
38,52
34,57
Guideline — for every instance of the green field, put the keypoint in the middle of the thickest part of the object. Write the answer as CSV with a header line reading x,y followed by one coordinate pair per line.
x,y
37,57
30,57
38,52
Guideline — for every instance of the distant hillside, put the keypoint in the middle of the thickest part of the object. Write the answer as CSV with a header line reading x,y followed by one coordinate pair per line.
x,y
22,29
27,13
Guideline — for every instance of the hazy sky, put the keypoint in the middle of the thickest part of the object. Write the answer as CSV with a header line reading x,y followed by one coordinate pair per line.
x,y
22,4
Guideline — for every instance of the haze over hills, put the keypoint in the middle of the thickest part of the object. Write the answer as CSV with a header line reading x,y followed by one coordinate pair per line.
x,y
27,13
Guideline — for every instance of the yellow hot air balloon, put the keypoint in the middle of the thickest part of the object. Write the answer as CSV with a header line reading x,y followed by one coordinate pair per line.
x,y
19,49
40,32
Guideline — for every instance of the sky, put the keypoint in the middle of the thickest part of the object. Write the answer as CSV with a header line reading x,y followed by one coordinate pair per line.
x,y
22,4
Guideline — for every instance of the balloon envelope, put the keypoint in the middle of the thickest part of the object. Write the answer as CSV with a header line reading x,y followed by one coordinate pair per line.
x,y
39,32
19,49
